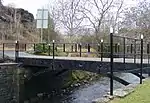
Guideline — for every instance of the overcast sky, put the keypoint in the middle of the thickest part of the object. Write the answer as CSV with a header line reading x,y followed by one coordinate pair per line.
x,y
33,5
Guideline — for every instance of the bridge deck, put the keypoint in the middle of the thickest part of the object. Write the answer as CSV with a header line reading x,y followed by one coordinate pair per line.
x,y
79,63
118,60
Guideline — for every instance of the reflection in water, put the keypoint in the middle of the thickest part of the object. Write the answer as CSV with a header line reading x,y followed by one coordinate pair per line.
x,y
86,94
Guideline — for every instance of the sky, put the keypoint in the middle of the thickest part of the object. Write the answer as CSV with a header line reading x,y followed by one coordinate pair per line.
x,y
33,5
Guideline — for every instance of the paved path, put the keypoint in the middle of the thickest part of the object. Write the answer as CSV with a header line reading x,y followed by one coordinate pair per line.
x,y
11,54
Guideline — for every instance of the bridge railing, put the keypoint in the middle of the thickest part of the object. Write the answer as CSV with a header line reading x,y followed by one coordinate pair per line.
x,y
131,47
123,47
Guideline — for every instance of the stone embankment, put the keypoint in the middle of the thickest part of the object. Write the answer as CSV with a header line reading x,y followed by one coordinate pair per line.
x,y
9,81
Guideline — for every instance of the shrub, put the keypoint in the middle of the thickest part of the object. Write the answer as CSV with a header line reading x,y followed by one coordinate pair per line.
x,y
42,48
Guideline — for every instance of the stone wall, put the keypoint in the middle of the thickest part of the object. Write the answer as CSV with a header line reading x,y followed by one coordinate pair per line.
x,y
10,84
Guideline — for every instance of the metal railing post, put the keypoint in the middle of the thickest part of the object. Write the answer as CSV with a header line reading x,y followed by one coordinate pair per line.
x,y
148,52
124,51
135,51
131,48
64,48
89,48
53,67
25,47
76,48
3,50
101,49
141,70
71,48
80,48
16,51
43,47
111,61
49,49
34,47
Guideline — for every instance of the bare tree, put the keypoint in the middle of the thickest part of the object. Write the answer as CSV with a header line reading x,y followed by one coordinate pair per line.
x,y
100,7
72,16
69,16
96,12
137,19
119,11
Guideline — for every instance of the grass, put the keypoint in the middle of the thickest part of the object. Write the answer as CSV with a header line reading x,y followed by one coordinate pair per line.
x,y
141,95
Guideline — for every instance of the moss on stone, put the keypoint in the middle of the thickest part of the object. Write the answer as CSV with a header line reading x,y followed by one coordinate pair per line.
x,y
78,76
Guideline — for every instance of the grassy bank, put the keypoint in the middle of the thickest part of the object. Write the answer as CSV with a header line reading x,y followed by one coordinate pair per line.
x,y
141,95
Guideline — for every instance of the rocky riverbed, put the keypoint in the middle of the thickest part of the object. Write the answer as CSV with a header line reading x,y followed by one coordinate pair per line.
x,y
60,85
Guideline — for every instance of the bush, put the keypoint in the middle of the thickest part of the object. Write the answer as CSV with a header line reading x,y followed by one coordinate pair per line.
x,y
42,48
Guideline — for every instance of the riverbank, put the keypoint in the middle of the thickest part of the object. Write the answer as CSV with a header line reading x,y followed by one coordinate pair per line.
x,y
141,94
50,84
86,93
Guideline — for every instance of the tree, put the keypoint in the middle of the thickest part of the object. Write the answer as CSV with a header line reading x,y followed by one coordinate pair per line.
x,y
73,17
137,19
98,12
50,33
68,15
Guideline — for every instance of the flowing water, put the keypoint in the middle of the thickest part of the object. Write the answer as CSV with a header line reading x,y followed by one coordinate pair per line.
x,y
85,94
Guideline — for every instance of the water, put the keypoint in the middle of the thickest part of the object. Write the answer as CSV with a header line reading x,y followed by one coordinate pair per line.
x,y
85,94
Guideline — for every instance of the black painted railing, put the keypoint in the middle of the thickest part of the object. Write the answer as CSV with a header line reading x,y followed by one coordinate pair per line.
x,y
122,49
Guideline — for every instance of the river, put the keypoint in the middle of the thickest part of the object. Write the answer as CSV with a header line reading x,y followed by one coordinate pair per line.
x,y
87,93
